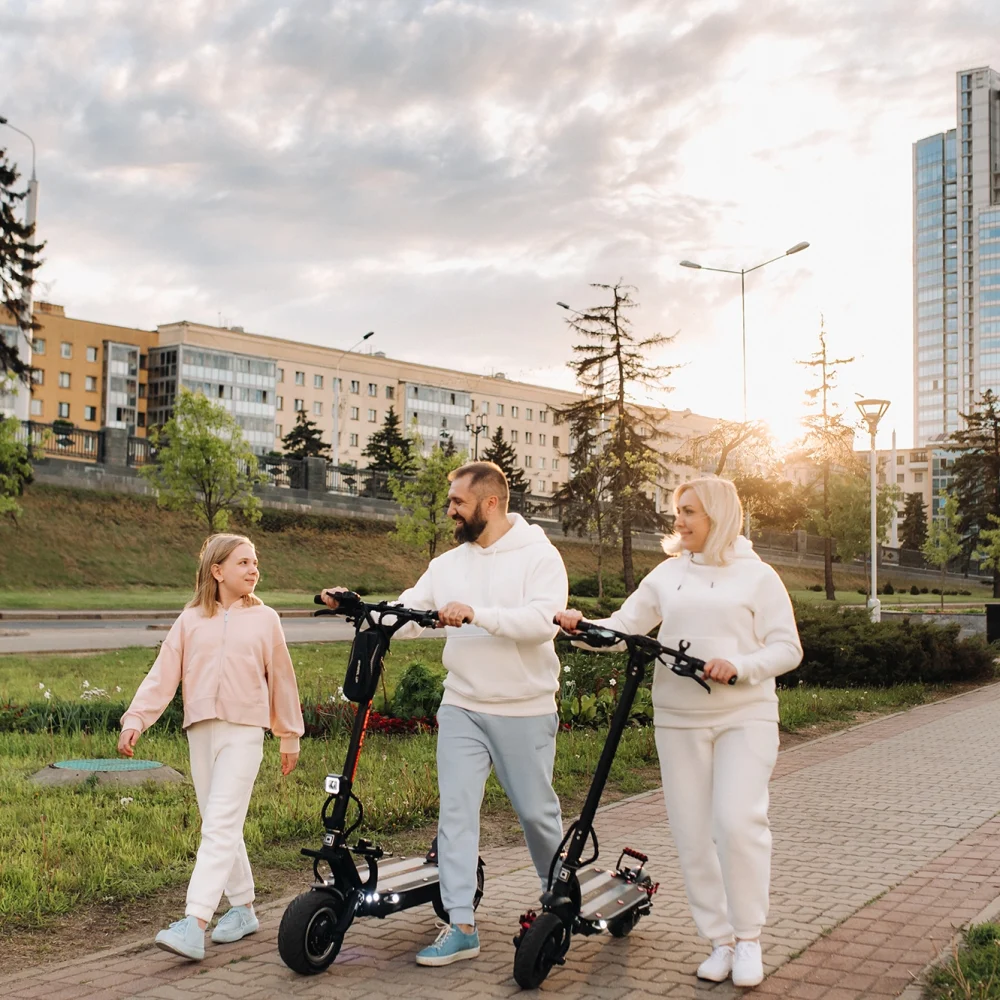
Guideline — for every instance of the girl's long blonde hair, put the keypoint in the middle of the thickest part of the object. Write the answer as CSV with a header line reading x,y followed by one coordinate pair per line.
x,y
216,550
725,512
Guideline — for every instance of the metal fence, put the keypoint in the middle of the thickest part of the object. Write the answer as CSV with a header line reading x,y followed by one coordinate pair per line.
x,y
287,473
62,440
140,452
360,482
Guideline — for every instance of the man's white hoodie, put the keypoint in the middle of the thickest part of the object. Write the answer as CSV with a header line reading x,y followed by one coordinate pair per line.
x,y
505,662
739,612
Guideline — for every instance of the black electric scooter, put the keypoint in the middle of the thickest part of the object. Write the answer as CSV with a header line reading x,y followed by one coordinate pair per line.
x,y
582,897
314,924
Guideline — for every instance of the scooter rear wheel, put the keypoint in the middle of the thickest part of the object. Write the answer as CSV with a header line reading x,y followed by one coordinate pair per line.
x,y
622,927
442,913
544,943
308,940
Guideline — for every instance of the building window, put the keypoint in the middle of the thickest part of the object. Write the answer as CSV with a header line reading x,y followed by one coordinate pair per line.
x,y
541,485
64,380
901,459
90,413
36,407
38,376
38,345
317,409
527,437
372,389
354,440
527,461
355,414
300,404
555,467
543,416
300,378
541,462
90,383
499,409
918,477
65,350
63,411
373,416
529,414
513,413
541,439
486,408
555,441
317,381
279,376
900,478
279,402
513,437
91,353
278,431
390,392
355,386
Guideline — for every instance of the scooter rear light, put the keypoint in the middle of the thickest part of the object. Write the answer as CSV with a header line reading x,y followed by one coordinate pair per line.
x,y
527,919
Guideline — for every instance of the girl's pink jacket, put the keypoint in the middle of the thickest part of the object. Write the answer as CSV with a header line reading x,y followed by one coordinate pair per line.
x,y
233,666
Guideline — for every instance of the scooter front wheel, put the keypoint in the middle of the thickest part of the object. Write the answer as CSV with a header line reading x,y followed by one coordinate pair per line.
x,y
544,944
308,937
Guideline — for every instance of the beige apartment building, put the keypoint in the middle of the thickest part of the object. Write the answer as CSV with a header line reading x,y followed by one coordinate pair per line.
x,y
99,375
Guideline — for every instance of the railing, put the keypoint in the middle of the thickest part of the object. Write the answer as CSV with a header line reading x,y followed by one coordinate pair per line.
x,y
360,482
62,440
140,452
285,473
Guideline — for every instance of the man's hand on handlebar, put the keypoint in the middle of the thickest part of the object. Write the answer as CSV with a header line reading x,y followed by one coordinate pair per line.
x,y
568,620
721,671
455,614
329,596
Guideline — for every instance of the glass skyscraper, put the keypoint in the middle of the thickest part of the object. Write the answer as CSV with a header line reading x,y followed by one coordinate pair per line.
x,y
956,260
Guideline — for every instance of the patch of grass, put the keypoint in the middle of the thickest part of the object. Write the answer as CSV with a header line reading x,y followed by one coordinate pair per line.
x,y
800,708
973,971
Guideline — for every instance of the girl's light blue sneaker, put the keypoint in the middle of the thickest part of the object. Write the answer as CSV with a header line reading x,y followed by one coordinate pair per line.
x,y
237,924
452,945
184,938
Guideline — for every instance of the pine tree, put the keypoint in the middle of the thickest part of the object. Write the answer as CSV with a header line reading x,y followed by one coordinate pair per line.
x,y
388,450
501,452
914,522
18,262
612,367
305,439
831,443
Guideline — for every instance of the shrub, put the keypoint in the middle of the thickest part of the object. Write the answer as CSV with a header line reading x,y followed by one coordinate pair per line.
x,y
862,591
586,586
817,588
418,693
914,590
845,649
888,588
935,591
923,590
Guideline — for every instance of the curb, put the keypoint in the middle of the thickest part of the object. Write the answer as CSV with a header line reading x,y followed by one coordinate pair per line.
x,y
12,614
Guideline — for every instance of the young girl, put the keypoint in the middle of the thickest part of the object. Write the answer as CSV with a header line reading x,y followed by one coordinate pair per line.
x,y
717,751
228,652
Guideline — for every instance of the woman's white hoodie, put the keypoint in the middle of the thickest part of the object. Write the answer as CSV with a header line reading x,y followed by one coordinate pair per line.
x,y
739,612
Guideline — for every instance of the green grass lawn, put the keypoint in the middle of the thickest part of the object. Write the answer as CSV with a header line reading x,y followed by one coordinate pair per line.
x,y
137,599
973,973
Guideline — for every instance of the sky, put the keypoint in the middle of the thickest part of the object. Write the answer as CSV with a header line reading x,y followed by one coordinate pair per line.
x,y
444,173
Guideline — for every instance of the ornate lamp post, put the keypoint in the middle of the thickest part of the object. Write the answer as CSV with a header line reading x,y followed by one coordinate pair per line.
x,y
476,426
873,410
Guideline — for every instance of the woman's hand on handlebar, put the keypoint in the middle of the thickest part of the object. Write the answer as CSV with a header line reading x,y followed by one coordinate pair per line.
x,y
455,614
568,620
721,671
329,596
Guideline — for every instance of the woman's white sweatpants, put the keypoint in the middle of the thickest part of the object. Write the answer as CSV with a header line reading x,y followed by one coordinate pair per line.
x,y
225,759
715,786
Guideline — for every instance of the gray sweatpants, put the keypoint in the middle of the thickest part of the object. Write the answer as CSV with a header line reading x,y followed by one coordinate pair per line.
x,y
522,750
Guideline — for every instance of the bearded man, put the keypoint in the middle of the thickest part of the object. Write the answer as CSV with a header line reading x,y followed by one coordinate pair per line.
x,y
496,594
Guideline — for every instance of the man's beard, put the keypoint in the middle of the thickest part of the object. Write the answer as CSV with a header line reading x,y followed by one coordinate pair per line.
x,y
470,530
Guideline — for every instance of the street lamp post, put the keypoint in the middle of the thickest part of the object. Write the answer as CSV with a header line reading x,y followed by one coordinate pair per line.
x,y
743,272
476,426
336,400
873,410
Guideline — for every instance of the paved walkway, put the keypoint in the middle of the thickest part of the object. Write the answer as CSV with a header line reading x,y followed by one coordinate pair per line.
x,y
886,842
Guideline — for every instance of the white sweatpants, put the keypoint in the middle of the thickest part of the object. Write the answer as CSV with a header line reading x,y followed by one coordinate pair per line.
x,y
715,786
225,759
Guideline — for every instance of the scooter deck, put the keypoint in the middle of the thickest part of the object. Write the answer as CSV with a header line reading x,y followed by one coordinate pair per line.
x,y
400,875
606,894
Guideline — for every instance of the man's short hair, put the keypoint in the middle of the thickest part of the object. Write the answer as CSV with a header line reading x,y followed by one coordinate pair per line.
x,y
486,478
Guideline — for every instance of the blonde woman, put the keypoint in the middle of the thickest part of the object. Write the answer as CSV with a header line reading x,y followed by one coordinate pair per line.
x,y
228,652
717,752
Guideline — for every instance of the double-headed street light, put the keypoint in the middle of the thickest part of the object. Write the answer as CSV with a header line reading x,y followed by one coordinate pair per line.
x,y
336,399
873,410
476,426
743,272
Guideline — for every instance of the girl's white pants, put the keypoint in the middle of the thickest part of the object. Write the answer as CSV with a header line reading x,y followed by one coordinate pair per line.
x,y
225,759
715,786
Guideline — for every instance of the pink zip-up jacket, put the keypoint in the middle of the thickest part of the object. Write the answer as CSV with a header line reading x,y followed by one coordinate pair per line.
x,y
233,666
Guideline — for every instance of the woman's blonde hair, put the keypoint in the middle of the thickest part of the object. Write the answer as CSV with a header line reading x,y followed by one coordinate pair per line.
x,y
725,514
216,550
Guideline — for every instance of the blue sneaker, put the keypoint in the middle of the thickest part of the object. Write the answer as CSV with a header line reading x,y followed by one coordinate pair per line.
x,y
184,938
238,923
452,945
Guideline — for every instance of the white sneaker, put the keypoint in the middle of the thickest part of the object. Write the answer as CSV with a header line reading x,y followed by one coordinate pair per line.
x,y
718,965
748,967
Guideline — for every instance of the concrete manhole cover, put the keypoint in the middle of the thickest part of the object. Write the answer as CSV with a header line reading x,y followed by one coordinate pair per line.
x,y
110,771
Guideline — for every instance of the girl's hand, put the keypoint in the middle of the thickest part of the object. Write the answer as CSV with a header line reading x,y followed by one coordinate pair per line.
x,y
720,671
288,762
127,741
568,620
330,598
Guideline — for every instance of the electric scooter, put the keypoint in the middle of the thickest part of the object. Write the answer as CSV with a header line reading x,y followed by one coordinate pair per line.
x,y
358,881
582,897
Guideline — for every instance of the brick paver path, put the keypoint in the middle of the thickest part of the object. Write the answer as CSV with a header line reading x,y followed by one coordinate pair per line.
x,y
885,843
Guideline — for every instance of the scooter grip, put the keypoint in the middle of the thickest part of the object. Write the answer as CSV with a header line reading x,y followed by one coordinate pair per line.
x,y
345,596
